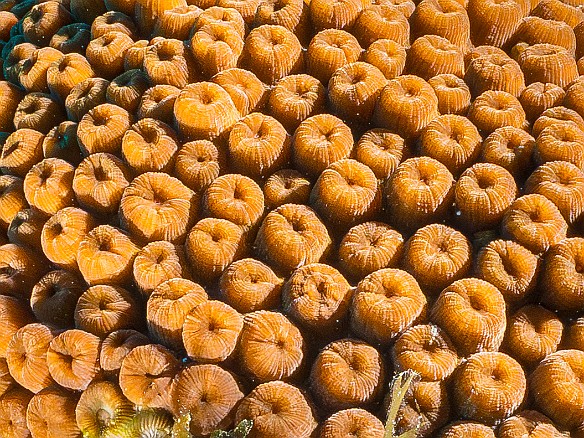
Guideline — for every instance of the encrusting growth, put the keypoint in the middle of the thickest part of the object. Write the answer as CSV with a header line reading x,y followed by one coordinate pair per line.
x,y
229,218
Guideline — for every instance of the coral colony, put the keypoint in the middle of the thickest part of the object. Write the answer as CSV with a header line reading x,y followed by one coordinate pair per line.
x,y
291,218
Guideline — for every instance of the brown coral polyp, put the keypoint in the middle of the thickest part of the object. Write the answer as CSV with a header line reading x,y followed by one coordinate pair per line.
x,y
43,21
561,274
381,21
112,21
533,333
11,96
460,429
22,150
211,245
494,23
510,148
62,234
496,109
84,96
249,285
26,227
157,103
34,74
385,303
146,376
559,11
382,151
102,129
538,97
286,186
556,387
176,23
347,374
351,421
512,268
211,332
38,111
347,192
278,409
534,222
536,30
427,350
16,315
494,72
559,115
73,359
26,356
258,145
368,247
560,142
247,92
108,50
20,269
126,89
406,105
472,313
272,52
431,55
12,199
167,308
317,296
103,309
42,419
419,192
156,206
528,422
15,60
13,406
548,63
236,198
335,15
319,141
214,14
105,256
48,185
209,395
157,262
489,387
388,56
483,193
216,46
54,297
64,74
99,182
198,163
562,183
437,255
271,347
204,110
452,140
292,14
116,346
329,50
445,18
353,90
300,229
